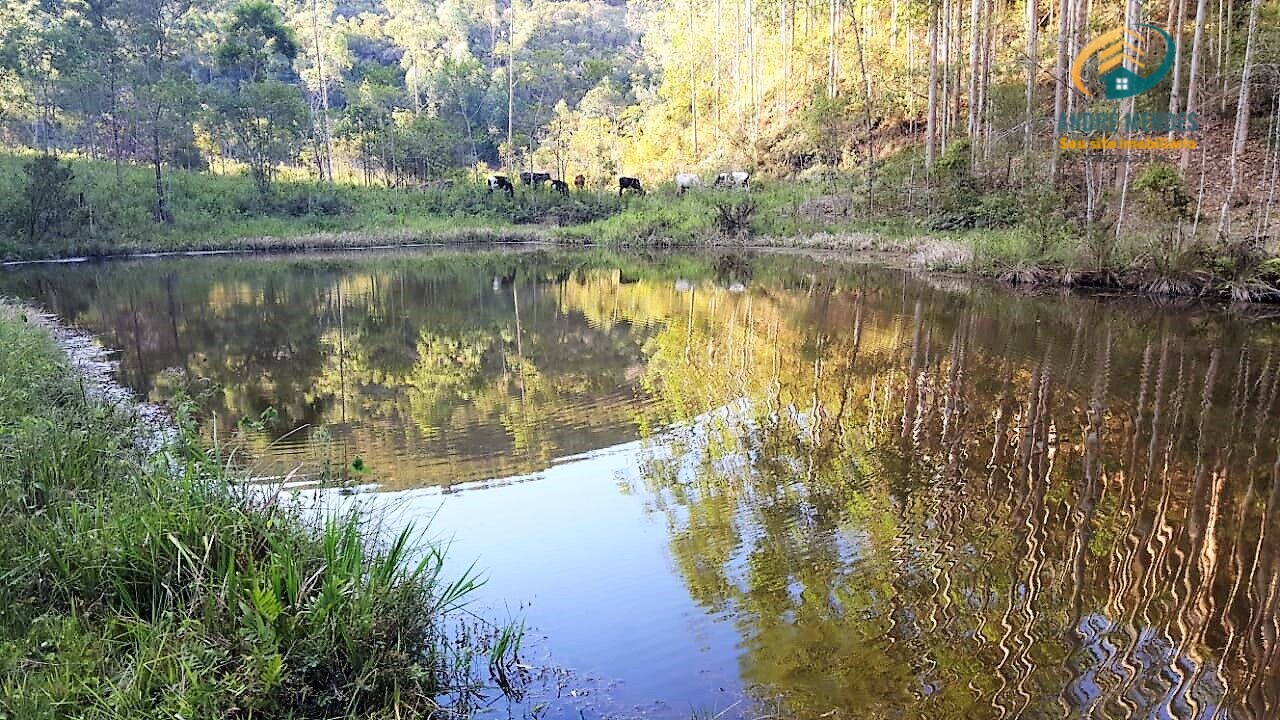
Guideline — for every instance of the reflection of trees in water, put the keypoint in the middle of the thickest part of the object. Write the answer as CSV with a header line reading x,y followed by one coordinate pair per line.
x,y
403,362
913,503
917,509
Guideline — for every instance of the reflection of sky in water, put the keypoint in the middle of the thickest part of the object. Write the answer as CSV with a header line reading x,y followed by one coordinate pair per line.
x,y
1155,680
590,566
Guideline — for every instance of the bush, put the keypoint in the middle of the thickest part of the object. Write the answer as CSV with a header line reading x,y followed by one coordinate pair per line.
x,y
734,218
46,208
1162,192
329,205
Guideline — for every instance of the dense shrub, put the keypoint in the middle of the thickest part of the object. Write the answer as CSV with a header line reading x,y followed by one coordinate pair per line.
x,y
1161,190
45,209
330,205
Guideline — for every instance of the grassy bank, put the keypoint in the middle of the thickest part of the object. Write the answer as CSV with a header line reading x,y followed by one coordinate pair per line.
x,y
959,218
143,585
975,219
87,209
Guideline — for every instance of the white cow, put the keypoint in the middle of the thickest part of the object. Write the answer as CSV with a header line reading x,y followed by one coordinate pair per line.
x,y
686,181
735,179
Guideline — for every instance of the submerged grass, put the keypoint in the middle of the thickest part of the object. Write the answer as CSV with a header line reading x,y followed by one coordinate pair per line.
x,y
135,584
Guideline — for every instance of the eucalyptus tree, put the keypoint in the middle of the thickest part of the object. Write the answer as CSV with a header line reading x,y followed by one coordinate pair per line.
x,y
155,32
259,100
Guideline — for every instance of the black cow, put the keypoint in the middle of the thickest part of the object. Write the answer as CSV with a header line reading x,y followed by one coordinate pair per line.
x,y
629,183
561,187
535,179
501,182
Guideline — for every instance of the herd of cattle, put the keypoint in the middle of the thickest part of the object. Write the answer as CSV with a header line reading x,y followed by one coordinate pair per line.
x,y
684,181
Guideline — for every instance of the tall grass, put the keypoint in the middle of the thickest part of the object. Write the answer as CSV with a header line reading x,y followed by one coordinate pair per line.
x,y
136,585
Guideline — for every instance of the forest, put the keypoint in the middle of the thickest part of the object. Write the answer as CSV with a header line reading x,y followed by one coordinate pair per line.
x,y
933,116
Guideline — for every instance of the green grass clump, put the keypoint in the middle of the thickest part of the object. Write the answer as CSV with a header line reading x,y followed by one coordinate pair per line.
x,y
139,585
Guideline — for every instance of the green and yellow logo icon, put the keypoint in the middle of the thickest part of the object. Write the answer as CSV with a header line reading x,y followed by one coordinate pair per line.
x,y
1117,52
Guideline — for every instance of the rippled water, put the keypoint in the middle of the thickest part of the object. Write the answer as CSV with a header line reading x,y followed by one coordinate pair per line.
x,y
763,485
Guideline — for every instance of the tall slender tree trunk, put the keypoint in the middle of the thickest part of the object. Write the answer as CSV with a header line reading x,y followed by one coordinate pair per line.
x,y
1033,70
160,213
893,26
715,48
693,83
753,69
1131,18
984,87
931,116
1193,78
1059,81
1175,24
784,52
911,80
945,100
866,110
974,71
325,132
1242,116
1224,56
833,57
956,63
1079,18
511,87
737,55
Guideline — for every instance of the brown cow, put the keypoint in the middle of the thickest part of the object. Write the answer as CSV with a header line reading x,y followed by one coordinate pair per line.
x,y
579,182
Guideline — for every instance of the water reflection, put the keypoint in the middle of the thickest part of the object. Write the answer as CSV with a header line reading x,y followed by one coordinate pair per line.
x,y
905,500
918,509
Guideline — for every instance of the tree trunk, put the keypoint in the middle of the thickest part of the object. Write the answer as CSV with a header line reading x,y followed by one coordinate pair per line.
x,y
1175,24
693,83
325,132
945,70
1224,54
866,109
511,85
1193,77
1059,81
160,213
1129,105
974,71
1033,69
1242,116
931,117
833,58
715,47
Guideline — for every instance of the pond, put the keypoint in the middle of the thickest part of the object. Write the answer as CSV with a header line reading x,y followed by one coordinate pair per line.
x,y
741,485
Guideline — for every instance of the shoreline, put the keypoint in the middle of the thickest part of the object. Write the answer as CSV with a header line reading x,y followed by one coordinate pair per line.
x,y
929,255
91,364
94,585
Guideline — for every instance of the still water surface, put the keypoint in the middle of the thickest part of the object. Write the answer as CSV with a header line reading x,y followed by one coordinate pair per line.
x,y
763,485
